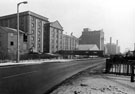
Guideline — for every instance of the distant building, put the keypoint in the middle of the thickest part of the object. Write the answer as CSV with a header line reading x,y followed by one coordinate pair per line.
x,y
30,23
70,42
92,37
88,47
73,42
53,37
66,42
8,41
112,49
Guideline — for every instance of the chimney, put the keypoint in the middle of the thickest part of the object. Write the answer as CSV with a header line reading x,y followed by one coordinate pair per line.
x,y
110,40
134,46
117,42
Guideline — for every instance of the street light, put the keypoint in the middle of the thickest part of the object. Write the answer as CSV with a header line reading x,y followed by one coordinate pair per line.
x,y
18,33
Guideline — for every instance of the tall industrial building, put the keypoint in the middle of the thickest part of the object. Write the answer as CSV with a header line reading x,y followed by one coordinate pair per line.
x,y
53,37
112,48
95,37
40,35
30,23
70,42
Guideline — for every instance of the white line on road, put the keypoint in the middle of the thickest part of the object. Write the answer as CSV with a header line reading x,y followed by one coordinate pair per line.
x,y
18,74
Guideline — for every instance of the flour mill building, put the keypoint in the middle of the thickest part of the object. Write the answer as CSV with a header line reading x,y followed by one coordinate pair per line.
x,y
40,35
30,23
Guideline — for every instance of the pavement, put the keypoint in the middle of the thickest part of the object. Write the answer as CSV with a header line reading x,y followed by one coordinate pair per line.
x,y
94,81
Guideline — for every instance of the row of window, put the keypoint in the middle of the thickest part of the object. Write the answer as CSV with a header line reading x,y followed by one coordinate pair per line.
x,y
56,47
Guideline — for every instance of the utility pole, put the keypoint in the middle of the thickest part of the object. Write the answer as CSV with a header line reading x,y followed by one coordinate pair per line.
x,y
18,32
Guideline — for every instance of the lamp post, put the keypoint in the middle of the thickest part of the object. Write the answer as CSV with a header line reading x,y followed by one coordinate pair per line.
x,y
18,33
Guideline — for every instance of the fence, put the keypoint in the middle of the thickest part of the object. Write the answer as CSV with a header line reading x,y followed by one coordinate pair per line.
x,y
121,67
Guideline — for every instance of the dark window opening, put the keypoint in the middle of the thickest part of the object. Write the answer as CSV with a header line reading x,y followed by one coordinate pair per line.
x,y
11,43
25,38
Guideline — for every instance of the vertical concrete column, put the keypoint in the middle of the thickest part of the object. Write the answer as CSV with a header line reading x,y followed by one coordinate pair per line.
x,y
36,35
29,32
132,73
42,36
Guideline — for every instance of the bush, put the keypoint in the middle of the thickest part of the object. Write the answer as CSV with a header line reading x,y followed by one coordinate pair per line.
x,y
34,56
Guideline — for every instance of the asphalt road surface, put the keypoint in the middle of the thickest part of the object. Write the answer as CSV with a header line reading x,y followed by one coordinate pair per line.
x,y
39,78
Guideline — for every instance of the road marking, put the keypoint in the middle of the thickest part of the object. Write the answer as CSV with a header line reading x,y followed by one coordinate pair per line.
x,y
18,74
11,66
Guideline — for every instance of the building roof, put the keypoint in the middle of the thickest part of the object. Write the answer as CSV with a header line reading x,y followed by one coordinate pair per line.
x,y
88,47
24,13
9,30
56,24
89,30
70,36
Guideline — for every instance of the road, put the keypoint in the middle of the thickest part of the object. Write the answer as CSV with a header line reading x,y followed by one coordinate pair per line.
x,y
39,78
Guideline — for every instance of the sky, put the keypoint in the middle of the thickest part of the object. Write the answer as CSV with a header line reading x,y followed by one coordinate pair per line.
x,y
115,17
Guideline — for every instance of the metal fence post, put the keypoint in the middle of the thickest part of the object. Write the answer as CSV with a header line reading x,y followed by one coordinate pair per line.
x,y
132,73
106,70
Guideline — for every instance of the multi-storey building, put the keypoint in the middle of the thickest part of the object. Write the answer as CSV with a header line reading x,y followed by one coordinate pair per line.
x,y
70,42
53,37
40,34
112,48
56,40
73,42
33,26
92,37
66,42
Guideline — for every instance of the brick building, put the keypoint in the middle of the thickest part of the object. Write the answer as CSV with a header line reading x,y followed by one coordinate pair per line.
x,y
40,34
8,41
70,42
53,37
112,48
56,40
32,24
92,37
73,42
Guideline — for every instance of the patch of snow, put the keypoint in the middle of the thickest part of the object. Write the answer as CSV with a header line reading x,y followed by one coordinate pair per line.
x,y
35,61
93,81
96,84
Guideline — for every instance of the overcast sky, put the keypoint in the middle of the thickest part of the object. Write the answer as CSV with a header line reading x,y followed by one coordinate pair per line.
x,y
115,17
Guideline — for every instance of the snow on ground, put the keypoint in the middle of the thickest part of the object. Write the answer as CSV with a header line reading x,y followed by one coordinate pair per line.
x,y
95,82
35,61
38,61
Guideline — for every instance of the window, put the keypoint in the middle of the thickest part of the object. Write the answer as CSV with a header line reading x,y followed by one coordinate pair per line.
x,y
32,24
39,32
25,38
11,34
39,29
32,32
32,44
39,24
38,39
32,38
11,43
38,45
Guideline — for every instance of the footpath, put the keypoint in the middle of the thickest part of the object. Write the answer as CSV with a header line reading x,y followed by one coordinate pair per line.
x,y
94,81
